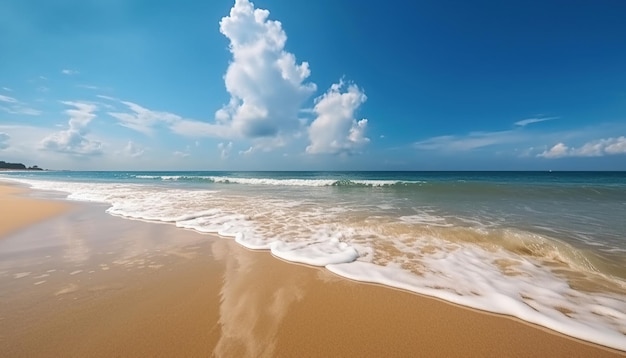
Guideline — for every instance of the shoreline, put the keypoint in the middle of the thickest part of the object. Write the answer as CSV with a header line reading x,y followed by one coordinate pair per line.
x,y
219,297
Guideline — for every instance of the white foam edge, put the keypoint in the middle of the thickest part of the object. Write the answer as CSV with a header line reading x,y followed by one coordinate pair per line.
x,y
495,302
325,253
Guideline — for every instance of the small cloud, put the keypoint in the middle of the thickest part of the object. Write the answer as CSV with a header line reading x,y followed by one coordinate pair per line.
x,y
181,154
526,153
4,140
195,129
43,78
335,130
43,89
142,119
21,110
133,150
525,122
616,146
558,151
247,151
109,98
471,141
74,140
90,87
382,136
8,99
266,145
7,89
69,72
596,148
16,107
225,149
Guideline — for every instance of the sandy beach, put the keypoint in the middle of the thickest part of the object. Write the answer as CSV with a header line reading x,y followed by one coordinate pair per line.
x,y
19,211
78,282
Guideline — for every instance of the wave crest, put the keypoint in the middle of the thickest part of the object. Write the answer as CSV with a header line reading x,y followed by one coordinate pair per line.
x,y
282,182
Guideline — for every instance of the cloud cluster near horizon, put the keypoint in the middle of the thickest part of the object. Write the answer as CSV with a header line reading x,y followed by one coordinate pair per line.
x,y
470,141
254,100
596,148
268,92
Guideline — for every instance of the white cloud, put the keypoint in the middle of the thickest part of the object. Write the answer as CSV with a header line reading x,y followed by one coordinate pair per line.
x,y
7,89
268,89
473,140
74,140
14,106
225,149
142,119
21,110
69,72
133,150
559,150
196,129
88,87
81,114
181,154
526,153
616,146
266,85
107,97
247,151
596,148
4,140
335,130
71,142
269,143
525,122
7,99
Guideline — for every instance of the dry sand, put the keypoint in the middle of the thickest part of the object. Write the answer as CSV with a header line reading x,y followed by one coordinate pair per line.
x,y
87,284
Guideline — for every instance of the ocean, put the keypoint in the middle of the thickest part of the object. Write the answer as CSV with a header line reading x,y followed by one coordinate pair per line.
x,y
546,247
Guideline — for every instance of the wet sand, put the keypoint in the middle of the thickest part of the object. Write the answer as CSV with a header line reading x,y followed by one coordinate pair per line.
x,y
83,283
18,211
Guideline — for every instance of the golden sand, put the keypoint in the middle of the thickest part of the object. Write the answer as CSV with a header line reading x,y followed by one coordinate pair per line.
x,y
17,212
115,287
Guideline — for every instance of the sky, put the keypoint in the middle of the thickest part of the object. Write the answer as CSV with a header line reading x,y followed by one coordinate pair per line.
x,y
313,85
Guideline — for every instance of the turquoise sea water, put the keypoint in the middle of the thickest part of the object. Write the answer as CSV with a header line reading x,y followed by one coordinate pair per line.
x,y
547,247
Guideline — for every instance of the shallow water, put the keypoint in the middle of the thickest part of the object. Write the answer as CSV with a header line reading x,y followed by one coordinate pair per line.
x,y
548,248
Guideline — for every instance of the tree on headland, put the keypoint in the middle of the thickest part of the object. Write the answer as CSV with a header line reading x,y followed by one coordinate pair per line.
x,y
17,166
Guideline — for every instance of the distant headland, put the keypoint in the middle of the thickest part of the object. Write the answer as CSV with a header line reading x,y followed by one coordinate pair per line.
x,y
16,166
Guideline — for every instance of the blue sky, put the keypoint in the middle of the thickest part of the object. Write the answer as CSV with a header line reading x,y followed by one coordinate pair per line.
x,y
313,85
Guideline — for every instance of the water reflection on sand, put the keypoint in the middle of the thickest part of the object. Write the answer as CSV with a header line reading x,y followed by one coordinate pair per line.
x,y
255,297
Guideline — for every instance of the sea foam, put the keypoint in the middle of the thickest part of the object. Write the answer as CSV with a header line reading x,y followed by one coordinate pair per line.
x,y
278,182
